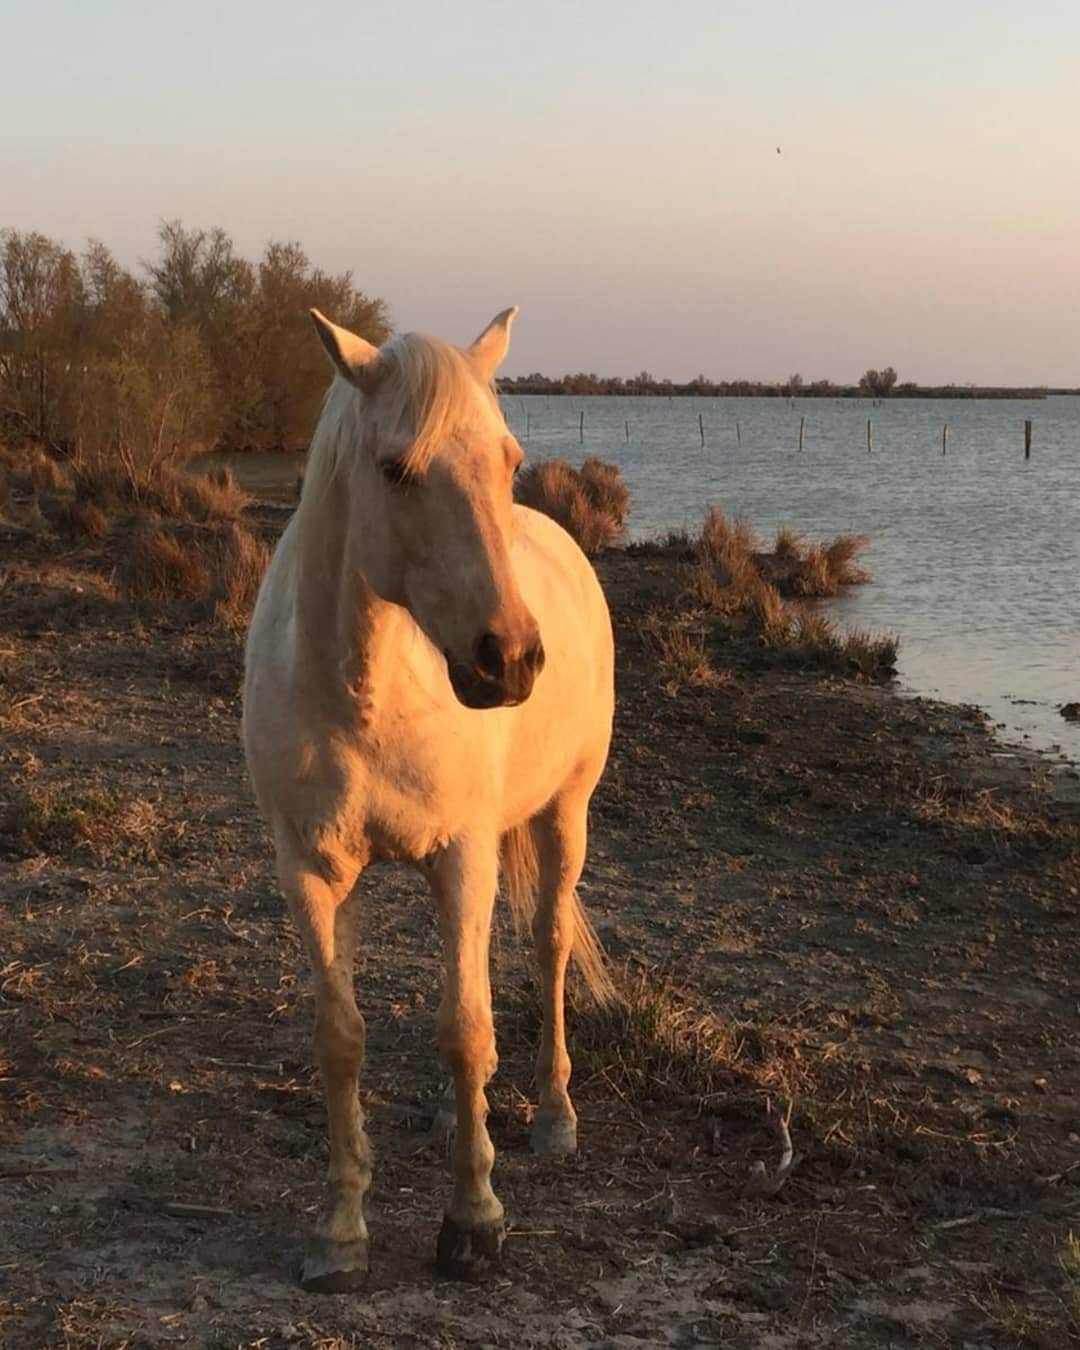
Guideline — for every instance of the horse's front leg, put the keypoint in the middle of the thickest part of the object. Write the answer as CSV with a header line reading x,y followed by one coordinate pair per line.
x,y
464,878
336,1259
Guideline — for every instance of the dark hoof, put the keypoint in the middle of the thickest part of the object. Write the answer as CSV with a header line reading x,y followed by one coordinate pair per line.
x,y
469,1253
335,1267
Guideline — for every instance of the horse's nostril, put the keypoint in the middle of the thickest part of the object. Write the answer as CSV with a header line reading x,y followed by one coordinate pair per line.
x,y
535,657
489,656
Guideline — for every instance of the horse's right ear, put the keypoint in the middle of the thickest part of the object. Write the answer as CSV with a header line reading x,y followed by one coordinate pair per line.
x,y
352,356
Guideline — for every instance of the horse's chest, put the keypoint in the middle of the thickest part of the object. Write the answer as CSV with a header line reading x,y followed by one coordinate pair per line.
x,y
405,801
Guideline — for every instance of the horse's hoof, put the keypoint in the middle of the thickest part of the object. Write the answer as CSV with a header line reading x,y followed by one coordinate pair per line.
x,y
554,1136
335,1267
469,1253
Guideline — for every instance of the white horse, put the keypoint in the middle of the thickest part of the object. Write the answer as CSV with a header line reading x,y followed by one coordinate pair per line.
x,y
429,679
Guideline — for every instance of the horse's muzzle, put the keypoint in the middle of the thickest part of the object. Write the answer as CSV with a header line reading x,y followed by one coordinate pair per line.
x,y
498,677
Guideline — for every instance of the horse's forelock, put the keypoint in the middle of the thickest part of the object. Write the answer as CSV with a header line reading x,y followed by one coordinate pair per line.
x,y
428,395
426,390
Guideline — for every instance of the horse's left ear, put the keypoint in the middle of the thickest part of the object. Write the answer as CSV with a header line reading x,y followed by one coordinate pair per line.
x,y
490,348
352,356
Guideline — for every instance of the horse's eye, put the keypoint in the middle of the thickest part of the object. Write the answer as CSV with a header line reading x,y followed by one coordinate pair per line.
x,y
397,474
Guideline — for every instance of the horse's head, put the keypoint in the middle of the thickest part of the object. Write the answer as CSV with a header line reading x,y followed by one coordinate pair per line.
x,y
430,488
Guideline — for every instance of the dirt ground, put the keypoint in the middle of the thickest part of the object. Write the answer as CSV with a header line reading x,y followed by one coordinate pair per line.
x,y
868,902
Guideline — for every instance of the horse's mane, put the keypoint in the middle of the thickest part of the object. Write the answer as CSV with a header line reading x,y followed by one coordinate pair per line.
x,y
427,390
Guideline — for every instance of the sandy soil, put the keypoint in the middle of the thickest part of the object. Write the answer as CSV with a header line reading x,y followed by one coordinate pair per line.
x,y
874,903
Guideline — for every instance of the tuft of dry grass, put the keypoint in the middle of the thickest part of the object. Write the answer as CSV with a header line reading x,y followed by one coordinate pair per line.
x,y
165,492
723,541
854,652
789,543
32,470
80,519
591,503
218,565
607,491
217,496
161,567
732,593
841,554
682,653
239,559
100,822
654,1042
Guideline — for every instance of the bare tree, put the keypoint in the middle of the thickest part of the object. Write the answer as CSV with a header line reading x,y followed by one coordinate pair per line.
x,y
878,383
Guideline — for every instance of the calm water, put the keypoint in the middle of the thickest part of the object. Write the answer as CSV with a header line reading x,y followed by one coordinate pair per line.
x,y
976,553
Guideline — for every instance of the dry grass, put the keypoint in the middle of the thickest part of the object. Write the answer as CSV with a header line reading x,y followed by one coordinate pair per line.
x,y
29,476
732,596
591,503
80,519
160,567
165,492
682,653
789,543
655,1042
95,821
219,566
238,561
854,652
982,811
32,470
607,491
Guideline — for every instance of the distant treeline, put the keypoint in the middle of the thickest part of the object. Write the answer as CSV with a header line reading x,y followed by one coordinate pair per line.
x,y
873,384
202,348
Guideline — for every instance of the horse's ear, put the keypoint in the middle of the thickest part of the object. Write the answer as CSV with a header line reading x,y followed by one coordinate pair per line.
x,y
352,356
490,348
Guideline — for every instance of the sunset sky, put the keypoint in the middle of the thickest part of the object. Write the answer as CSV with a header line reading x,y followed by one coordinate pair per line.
x,y
611,167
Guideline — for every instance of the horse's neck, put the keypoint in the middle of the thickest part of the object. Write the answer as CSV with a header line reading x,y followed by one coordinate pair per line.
x,y
339,618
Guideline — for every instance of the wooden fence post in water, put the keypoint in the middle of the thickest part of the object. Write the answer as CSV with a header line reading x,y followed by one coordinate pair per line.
x,y
869,437
944,437
738,434
701,429
802,425
1027,438
528,425
627,427
581,427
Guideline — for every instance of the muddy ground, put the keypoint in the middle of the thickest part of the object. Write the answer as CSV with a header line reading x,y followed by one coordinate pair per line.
x,y
863,901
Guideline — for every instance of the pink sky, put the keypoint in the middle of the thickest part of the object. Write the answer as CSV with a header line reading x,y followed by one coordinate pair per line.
x,y
612,169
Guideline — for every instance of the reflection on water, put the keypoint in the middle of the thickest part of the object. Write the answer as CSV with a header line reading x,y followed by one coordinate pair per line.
x,y
976,553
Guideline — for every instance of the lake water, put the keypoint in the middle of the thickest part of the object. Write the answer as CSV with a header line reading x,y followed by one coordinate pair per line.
x,y
975,553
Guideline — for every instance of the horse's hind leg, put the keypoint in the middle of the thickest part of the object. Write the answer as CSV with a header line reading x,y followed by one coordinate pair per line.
x,y
560,833
464,879
337,1256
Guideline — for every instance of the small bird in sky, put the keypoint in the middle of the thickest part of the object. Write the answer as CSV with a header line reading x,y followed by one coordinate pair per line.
x,y
777,149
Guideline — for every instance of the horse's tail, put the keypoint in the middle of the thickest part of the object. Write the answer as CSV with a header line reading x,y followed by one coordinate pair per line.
x,y
521,878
